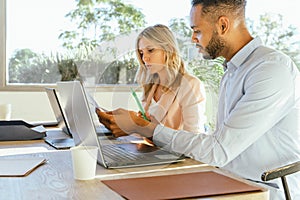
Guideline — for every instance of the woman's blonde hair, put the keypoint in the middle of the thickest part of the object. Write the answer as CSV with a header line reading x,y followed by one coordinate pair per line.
x,y
160,36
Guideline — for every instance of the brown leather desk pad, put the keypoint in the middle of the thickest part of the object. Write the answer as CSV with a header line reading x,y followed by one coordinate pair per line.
x,y
187,185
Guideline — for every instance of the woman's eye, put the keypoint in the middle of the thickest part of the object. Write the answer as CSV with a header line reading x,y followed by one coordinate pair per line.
x,y
197,31
150,50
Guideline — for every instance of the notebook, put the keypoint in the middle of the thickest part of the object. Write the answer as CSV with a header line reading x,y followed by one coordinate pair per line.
x,y
19,167
66,141
78,112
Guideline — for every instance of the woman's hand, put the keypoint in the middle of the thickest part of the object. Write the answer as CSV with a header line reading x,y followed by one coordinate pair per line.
x,y
148,116
122,122
107,119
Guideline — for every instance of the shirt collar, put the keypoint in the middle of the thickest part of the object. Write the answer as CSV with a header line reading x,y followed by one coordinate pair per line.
x,y
239,58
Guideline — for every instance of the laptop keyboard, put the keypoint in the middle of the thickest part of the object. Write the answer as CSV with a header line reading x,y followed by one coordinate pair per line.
x,y
118,154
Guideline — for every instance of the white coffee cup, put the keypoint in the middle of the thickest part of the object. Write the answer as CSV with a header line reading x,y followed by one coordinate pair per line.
x,y
5,111
84,160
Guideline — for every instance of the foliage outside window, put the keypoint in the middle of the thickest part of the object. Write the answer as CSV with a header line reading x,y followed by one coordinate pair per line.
x,y
96,21
102,21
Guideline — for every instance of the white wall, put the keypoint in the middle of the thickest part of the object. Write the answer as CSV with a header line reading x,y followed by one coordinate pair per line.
x,y
35,106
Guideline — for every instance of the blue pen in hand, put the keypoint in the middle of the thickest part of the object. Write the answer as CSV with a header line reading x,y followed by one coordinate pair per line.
x,y
139,104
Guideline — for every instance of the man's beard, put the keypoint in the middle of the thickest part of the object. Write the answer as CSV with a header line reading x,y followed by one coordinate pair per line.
x,y
214,48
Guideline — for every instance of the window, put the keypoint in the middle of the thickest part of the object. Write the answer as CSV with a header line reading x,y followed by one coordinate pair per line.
x,y
43,46
41,42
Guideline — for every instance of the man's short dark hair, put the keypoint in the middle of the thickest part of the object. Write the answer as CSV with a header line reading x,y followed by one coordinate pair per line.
x,y
215,8
207,3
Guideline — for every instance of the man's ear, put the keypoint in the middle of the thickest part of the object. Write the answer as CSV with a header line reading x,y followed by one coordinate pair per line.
x,y
223,25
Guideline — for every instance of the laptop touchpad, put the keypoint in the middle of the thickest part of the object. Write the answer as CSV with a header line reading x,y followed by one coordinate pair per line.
x,y
138,147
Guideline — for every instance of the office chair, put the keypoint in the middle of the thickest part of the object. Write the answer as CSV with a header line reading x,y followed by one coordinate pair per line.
x,y
282,172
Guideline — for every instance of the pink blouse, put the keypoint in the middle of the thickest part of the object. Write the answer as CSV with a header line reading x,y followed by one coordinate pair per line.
x,y
182,109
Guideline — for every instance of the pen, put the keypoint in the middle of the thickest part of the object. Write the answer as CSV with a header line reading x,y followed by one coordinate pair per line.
x,y
139,104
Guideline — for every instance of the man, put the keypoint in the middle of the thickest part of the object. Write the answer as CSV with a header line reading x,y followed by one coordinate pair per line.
x,y
259,106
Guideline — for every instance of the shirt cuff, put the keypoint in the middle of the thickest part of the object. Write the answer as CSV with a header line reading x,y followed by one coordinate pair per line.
x,y
162,135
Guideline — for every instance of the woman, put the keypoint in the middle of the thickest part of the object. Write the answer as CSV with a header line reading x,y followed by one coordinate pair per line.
x,y
171,95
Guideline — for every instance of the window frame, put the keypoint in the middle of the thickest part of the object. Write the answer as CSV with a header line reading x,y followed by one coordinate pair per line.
x,y
2,44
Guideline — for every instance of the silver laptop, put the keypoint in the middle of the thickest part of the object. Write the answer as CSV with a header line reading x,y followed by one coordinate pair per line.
x,y
113,153
63,137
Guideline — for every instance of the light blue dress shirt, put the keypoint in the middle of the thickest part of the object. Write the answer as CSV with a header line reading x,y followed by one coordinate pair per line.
x,y
258,121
